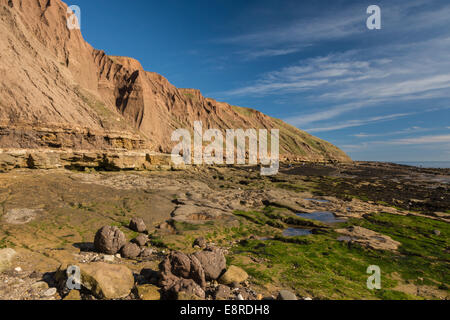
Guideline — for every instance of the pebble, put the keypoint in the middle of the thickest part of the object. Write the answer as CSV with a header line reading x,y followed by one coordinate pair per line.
x,y
108,258
50,292
240,297
18,269
307,298
286,295
41,285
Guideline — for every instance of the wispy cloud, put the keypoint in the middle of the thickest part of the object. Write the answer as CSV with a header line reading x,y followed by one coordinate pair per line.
x,y
255,54
358,123
338,25
421,140
414,129
412,141
409,69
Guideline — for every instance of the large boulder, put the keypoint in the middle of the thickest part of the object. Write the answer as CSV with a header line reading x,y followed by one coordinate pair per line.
x,y
213,262
103,280
138,225
130,251
178,266
233,275
109,240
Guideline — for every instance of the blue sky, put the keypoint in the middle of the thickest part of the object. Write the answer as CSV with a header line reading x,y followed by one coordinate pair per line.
x,y
377,94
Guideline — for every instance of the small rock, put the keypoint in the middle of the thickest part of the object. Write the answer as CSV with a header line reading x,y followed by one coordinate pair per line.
x,y
148,292
146,253
50,292
18,269
233,274
240,297
6,256
38,286
187,289
184,296
109,240
141,240
130,251
36,275
307,298
200,242
259,296
118,256
138,225
108,258
74,295
286,295
222,292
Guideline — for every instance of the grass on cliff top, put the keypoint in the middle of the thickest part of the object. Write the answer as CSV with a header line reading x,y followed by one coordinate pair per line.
x,y
322,267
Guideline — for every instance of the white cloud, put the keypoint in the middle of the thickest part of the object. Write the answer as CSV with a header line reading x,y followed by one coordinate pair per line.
x,y
268,87
429,140
409,69
358,123
392,133
254,54
421,140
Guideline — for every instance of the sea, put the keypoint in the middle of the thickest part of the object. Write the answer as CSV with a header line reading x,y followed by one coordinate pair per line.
x,y
425,164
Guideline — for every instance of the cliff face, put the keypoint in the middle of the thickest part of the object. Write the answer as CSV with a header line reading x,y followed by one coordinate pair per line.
x,y
59,92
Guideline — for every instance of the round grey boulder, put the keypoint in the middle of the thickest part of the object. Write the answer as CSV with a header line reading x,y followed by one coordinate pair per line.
x,y
131,251
109,240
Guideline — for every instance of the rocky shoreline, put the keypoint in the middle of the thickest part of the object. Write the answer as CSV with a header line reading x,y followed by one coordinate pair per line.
x,y
219,233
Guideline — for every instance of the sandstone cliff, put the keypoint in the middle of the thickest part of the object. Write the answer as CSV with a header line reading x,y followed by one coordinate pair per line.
x,y
58,92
